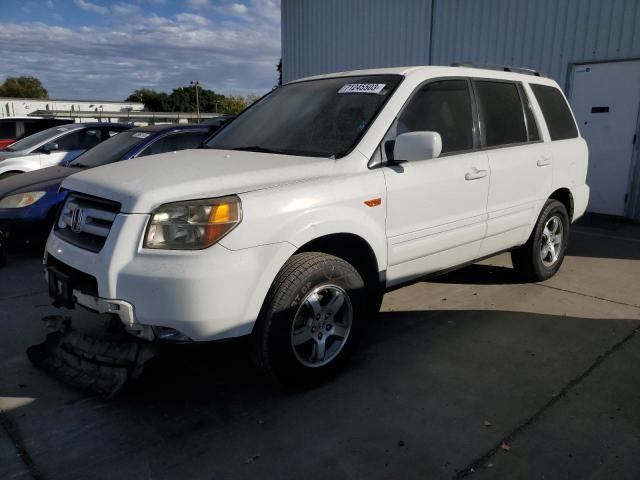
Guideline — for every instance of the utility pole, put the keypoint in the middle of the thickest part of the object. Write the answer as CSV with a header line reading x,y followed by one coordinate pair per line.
x,y
196,84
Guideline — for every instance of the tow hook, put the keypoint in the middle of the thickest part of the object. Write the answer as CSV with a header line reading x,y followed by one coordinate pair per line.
x,y
100,365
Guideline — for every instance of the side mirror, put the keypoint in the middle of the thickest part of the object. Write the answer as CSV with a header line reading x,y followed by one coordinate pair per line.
x,y
50,147
412,146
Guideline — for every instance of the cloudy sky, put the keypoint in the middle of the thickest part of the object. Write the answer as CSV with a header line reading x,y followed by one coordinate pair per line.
x,y
101,49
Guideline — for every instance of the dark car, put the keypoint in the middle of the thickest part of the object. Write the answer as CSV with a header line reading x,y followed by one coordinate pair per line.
x,y
29,202
220,121
13,129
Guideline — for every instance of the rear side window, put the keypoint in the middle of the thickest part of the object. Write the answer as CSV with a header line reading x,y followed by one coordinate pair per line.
x,y
80,139
175,142
556,112
503,119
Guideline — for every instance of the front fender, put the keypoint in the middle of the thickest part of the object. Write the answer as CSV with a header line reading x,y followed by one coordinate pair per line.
x,y
306,211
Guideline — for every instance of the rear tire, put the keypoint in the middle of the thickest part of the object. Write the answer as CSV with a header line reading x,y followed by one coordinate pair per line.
x,y
310,321
541,257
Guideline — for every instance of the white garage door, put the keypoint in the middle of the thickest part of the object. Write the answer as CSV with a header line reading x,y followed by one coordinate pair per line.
x,y
605,98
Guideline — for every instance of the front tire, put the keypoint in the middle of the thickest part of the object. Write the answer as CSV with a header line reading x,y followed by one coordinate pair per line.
x,y
541,257
310,320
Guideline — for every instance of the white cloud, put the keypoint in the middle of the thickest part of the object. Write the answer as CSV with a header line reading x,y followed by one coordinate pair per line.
x,y
110,61
90,7
199,4
234,9
190,18
50,4
255,10
125,9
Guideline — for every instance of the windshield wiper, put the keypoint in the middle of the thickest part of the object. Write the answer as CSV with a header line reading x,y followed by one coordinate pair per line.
x,y
256,148
77,165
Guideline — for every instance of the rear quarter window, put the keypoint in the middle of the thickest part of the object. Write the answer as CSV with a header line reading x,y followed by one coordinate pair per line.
x,y
556,112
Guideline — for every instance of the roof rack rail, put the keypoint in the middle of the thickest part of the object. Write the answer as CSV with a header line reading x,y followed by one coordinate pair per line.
x,y
503,68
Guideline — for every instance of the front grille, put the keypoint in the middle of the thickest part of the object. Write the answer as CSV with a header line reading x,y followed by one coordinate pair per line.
x,y
85,221
78,280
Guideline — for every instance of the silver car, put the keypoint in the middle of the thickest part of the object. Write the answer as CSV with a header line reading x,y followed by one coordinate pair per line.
x,y
54,146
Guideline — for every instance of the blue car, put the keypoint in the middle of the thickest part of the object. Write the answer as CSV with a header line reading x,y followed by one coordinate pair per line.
x,y
29,202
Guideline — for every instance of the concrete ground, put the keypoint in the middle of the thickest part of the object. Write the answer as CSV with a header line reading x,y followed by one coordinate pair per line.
x,y
473,374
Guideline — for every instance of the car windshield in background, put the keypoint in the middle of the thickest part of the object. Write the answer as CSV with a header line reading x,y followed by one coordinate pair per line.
x,y
36,139
320,118
111,150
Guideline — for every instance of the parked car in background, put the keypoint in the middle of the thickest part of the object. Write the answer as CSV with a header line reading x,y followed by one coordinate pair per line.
x,y
13,129
29,202
54,146
291,221
219,121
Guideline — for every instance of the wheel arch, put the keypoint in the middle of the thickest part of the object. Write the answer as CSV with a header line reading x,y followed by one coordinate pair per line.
x,y
351,248
10,173
564,196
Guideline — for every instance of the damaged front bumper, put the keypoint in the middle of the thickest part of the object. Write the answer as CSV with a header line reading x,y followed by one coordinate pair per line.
x,y
123,310
64,295
126,313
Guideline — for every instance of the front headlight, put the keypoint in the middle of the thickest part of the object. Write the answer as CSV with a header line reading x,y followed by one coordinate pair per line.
x,y
20,200
194,224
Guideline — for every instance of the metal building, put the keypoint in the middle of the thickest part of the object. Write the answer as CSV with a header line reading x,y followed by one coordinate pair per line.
x,y
590,47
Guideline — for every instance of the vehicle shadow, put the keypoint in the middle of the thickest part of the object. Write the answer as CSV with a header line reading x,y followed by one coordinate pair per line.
x,y
479,274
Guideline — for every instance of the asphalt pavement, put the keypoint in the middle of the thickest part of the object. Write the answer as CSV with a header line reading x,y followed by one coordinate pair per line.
x,y
472,374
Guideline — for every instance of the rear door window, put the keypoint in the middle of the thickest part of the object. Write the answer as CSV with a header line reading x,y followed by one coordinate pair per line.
x,y
556,112
80,139
175,142
503,118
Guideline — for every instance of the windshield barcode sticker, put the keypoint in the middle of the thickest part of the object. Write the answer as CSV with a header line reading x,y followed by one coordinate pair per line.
x,y
140,135
362,88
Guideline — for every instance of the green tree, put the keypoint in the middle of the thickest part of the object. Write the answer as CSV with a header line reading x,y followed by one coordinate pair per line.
x,y
183,99
233,104
153,101
23,87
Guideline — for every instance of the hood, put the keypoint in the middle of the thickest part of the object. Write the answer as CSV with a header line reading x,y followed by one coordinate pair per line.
x,y
142,185
44,179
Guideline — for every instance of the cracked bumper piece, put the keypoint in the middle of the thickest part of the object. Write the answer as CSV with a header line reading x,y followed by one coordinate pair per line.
x,y
125,312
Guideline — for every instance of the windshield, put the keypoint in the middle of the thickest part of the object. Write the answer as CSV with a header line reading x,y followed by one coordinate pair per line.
x,y
111,150
36,139
320,118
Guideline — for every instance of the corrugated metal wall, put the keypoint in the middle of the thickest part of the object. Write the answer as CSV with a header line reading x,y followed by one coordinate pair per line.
x,y
545,35
322,36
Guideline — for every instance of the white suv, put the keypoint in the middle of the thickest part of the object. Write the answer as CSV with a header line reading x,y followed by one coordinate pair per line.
x,y
296,217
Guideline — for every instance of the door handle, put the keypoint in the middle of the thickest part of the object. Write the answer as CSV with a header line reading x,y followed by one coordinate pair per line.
x,y
543,161
475,174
